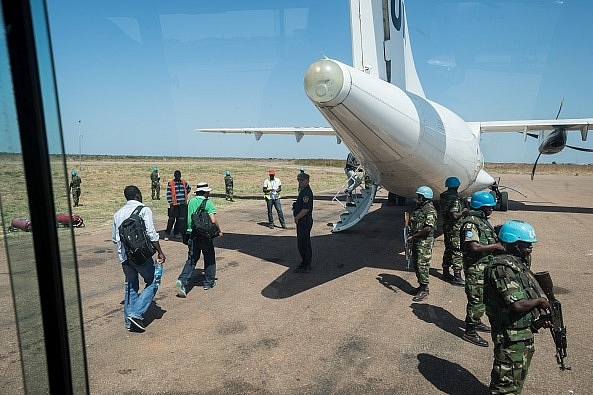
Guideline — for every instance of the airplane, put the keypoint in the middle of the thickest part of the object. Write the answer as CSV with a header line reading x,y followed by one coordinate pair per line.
x,y
402,139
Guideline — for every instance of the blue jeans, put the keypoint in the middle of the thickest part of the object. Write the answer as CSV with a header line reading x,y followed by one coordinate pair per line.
x,y
278,206
195,246
135,305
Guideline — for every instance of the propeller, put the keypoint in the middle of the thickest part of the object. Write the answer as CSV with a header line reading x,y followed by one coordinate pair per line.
x,y
540,154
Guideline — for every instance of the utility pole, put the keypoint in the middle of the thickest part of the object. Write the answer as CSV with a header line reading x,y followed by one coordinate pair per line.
x,y
79,146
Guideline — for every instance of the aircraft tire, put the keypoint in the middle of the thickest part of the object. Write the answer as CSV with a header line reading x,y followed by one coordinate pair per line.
x,y
504,201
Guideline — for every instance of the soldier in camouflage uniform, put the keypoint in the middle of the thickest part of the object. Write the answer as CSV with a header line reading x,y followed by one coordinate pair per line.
x,y
452,208
479,241
423,222
512,304
155,181
228,185
75,187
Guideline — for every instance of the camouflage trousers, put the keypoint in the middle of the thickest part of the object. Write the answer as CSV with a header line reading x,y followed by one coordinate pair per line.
x,y
452,256
421,256
511,363
229,193
75,195
474,290
156,191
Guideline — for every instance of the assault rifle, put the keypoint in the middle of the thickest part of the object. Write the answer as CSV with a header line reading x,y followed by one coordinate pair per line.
x,y
558,330
407,246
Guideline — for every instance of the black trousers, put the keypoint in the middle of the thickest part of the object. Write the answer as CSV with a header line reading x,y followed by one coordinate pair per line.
x,y
177,219
304,239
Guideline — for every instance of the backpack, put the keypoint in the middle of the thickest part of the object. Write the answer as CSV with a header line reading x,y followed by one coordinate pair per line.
x,y
202,226
133,236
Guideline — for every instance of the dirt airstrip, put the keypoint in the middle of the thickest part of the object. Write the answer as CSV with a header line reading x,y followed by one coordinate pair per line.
x,y
349,327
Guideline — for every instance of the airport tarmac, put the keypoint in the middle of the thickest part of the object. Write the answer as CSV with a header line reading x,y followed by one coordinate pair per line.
x,y
349,327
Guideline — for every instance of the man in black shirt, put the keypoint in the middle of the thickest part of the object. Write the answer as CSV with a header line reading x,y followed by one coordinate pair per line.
x,y
302,211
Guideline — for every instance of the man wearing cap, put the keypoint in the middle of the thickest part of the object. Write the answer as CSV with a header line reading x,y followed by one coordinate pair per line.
x,y
155,182
272,188
228,185
197,244
302,210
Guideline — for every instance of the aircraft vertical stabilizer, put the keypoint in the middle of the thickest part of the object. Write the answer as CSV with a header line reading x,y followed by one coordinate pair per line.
x,y
381,43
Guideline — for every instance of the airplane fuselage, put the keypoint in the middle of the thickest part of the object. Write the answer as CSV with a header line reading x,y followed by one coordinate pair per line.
x,y
403,140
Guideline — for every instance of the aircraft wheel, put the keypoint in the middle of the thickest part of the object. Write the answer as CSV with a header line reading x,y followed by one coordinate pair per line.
x,y
504,201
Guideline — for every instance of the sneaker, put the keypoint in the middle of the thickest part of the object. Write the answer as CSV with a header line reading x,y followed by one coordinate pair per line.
x,y
208,286
474,338
284,226
271,226
181,293
483,327
137,322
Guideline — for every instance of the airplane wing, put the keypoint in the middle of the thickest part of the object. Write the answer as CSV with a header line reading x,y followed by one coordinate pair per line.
x,y
258,132
583,125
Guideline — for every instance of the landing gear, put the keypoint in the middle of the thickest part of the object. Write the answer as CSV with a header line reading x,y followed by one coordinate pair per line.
x,y
393,199
501,198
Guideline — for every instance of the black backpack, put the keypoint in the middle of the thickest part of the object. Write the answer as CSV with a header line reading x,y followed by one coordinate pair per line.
x,y
133,236
202,226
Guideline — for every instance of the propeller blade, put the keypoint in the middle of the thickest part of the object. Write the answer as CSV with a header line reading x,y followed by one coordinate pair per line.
x,y
579,148
535,136
534,166
560,109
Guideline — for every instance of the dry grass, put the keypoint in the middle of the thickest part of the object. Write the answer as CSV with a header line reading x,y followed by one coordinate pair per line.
x,y
104,178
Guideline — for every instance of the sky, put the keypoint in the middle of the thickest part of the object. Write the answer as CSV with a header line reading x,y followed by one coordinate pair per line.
x,y
136,77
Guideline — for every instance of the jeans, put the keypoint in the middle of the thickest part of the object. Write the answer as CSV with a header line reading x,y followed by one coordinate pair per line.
x,y
135,305
195,246
304,239
278,206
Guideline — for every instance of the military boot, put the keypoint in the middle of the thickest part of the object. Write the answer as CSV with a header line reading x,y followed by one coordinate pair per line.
x,y
472,336
483,327
422,293
457,280
447,275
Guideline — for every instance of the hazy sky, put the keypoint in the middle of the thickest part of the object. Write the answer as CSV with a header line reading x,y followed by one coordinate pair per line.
x,y
137,77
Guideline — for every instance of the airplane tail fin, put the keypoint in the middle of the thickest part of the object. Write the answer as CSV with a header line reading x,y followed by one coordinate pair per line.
x,y
381,44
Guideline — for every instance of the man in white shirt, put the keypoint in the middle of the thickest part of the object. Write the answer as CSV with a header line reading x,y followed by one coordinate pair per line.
x,y
135,303
272,188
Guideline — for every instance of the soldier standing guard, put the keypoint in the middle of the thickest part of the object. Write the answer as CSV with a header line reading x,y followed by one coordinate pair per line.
x,y
452,209
155,181
228,185
75,187
422,224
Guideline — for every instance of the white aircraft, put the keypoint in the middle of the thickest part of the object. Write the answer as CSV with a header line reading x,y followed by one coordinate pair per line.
x,y
403,140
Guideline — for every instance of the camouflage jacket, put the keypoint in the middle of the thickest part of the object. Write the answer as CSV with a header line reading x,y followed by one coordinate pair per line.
x,y
75,183
449,203
487,235
507,280
154,177
228,181
425,215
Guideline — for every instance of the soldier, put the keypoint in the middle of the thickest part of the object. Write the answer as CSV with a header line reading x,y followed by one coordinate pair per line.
x,y
75,187
155,182
512,304
478,243
452,208
422,224
228,184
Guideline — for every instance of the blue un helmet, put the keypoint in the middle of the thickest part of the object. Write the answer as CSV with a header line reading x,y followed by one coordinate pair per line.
x,y
482,199
73,172
425,191
155,169
452,182
514,230
228,173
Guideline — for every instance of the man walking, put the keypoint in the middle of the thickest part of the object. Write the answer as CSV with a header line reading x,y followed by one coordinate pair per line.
x,y
177,191
135,303
272,188
197,244
302,210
